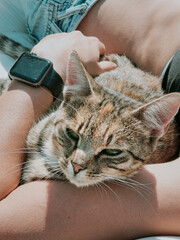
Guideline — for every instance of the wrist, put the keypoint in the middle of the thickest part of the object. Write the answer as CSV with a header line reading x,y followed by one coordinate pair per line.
x,y
37,72
58,64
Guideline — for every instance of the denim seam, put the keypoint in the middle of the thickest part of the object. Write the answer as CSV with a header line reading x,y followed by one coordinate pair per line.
x,y
87,10
57,16
51,14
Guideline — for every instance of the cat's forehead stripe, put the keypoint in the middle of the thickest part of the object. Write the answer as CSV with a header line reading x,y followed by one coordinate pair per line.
x,y
85,125
109,107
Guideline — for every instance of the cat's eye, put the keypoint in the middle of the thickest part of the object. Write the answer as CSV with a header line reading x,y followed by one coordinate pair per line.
x,y
72,134
111,152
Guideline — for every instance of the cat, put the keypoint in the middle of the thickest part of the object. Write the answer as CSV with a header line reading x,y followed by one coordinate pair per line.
x,y
105,128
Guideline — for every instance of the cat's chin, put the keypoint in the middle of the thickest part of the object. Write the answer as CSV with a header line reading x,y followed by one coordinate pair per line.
x,y
80,179
80,184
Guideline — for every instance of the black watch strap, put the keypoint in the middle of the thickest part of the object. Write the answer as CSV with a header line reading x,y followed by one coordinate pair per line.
x,y
54,83
36,72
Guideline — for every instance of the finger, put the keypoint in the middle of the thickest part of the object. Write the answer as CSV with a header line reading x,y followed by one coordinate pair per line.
x,y
98,44
105,66
102,48
101,67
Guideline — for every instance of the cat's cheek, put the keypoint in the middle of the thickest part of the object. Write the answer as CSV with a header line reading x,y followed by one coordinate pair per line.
x,y
70,171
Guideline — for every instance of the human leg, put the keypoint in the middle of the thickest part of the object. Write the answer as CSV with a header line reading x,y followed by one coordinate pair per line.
x,y
12,22
146,31
13,25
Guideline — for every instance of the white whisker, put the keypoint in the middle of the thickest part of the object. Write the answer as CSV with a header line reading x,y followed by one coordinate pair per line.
x,y
103,183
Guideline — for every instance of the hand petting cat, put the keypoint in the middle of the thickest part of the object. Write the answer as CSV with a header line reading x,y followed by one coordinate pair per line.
x,y
89,50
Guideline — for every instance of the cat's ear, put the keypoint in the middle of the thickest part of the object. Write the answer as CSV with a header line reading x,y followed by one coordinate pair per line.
x,y
158,114
77,80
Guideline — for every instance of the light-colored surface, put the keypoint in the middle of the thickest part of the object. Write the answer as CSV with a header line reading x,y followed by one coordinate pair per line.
x,y
3,72
5,64
160,238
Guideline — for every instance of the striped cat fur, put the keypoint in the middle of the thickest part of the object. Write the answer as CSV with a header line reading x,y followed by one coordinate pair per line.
x,y
104,128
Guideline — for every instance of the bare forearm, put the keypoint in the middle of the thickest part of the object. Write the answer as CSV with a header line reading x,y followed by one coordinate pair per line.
x,y
168,194
20,107
65,212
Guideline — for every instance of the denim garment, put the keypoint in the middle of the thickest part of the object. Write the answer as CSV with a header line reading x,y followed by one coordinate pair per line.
x,y
46,17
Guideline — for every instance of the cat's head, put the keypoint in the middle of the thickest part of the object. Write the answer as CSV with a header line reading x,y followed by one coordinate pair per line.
x,y
100,134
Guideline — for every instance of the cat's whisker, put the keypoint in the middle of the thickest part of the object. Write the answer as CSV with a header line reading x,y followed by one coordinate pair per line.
x,y
103,183
117,181
15,152
96,187
122,182
133,184
25,148
101,187
135,187
56,171
144,186
11,170
58,99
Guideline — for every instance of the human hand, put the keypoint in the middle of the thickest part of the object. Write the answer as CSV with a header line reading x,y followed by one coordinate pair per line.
x,y
57,48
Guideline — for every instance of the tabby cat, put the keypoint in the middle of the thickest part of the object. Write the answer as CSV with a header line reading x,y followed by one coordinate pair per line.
x,y
105,128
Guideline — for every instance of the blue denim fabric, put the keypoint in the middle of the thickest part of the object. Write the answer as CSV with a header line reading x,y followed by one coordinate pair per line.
x,y
46,17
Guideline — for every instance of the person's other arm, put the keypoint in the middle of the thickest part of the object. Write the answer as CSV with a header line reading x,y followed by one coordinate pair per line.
x,y
55,210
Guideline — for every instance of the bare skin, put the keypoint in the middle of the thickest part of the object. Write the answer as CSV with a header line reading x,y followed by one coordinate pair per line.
x,y
146,31
55,210
18,111
21,105
88,48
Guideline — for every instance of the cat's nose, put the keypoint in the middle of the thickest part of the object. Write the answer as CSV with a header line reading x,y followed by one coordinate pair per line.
x,y
76,167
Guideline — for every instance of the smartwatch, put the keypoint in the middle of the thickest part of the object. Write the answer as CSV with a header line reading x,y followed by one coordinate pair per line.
x,y
36,72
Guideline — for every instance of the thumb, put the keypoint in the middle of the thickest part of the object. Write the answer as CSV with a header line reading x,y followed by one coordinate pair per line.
x,y
99,67
105,66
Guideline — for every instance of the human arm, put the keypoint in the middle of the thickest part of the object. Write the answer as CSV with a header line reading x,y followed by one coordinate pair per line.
x,y
57,210
22,105
59,47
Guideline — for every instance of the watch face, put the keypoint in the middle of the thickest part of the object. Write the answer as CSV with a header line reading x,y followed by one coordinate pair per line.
x,y
30,68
